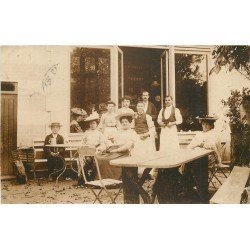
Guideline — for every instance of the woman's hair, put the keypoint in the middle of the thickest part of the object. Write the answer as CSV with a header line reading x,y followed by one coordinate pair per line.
x,y
129,118
75,116
169,96
126,97
111,102
97,122
210,122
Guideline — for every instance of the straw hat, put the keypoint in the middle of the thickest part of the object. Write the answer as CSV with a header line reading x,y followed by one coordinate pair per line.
x,y
211,118
93,117
127,114
55,124
79,111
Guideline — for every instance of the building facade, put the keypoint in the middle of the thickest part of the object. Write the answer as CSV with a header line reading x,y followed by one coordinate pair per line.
x,y
50,80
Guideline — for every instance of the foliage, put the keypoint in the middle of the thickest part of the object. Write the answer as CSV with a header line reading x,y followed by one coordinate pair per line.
x,y
232,57
187,67
234,102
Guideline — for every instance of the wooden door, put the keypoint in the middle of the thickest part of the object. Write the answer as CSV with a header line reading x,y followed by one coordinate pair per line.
x,y
8,131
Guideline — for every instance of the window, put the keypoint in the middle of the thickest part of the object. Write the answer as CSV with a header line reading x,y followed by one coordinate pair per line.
x,y
90,77
191,88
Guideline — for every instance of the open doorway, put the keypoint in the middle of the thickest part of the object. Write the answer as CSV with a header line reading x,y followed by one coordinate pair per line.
x,y
144,69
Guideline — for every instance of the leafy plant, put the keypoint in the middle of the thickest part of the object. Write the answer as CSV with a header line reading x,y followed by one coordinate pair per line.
x,y
234,102
187,67
232,57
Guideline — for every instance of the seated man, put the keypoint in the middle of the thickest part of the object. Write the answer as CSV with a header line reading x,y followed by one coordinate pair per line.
x,y
54,155
91,137
196,172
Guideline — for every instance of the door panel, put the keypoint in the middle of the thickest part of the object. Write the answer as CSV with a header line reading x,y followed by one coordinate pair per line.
x,y
8,131
120,77
164,75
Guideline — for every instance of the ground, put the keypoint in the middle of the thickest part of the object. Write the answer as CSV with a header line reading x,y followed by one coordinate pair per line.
x,y
45,192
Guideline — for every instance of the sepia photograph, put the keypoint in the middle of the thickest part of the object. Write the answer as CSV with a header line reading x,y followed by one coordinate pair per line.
x,y
124,125
134,124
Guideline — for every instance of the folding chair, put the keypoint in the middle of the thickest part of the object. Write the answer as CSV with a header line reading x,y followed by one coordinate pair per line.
x,y
103,184
222,169
215,170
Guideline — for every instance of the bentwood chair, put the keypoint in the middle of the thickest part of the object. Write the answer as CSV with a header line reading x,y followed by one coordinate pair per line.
x,y
102,184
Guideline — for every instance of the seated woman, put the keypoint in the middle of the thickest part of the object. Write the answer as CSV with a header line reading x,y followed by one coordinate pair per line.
x,y
94,138
208,139
78,116
196,172
122,144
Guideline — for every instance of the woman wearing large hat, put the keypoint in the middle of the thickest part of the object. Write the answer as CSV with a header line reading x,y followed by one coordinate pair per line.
x,y
197,172
121,144
78,116
94,138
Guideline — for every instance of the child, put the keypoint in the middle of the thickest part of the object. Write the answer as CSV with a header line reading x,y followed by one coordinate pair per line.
x,y
54,155
145,128
91,137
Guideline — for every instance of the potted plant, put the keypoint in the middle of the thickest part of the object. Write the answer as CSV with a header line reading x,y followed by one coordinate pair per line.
x,y
239,124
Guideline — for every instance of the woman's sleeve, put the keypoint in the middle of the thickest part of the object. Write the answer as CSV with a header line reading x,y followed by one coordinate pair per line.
x,y
159,119
178,117
151,125
196,142
101,124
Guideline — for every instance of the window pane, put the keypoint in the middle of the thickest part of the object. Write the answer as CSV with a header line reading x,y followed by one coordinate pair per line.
x,y
90,77
191,88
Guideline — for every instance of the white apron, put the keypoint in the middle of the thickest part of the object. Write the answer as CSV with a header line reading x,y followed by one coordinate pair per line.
x,y
169,141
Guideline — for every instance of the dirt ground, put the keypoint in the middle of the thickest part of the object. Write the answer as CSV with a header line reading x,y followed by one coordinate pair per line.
x,y
45,192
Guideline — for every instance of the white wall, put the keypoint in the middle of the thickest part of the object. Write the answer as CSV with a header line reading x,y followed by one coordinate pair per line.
x,y
28,66
220,86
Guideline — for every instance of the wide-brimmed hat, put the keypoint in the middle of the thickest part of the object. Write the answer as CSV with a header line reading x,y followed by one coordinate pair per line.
x,y
92,117
211,118
55,124
125,114
79,111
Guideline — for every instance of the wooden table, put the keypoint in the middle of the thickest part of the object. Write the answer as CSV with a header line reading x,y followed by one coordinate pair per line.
x,y
157,160
66,145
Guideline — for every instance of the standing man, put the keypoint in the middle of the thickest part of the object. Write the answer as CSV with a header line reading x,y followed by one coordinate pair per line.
x,y
149,107
168,118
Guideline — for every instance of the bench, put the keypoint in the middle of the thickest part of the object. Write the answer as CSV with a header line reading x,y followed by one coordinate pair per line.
x,y
39,158
231,190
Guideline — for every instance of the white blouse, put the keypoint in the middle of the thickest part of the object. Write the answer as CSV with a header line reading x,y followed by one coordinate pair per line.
x,y
93,138
167,114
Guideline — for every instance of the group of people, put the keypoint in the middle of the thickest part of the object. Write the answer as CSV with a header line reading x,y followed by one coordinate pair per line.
x,y
129,132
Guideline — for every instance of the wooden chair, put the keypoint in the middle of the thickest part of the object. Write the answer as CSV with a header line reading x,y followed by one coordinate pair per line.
x,y
103,184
